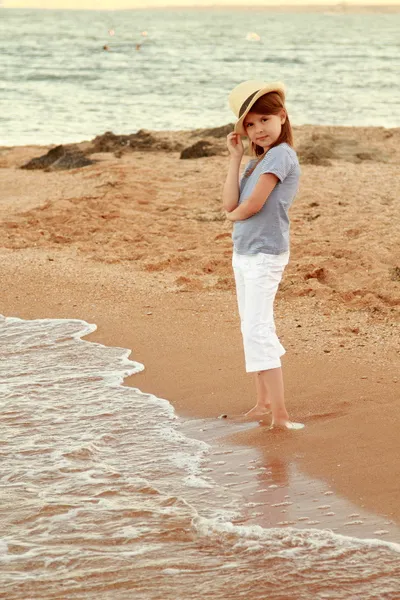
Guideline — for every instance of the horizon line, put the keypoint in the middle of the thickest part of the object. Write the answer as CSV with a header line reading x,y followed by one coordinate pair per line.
x,y
340,6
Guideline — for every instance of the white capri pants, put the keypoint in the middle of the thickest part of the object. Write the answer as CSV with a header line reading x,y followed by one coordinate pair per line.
x,y
257,278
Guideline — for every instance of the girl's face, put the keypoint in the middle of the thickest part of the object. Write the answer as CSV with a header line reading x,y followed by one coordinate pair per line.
x,y
264,130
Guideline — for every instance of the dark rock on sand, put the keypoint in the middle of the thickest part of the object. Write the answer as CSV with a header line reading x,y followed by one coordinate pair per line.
x,y
217,132
395,274
317,151
142,140
365,155
60,157
199,149
108,142
72,159
44,161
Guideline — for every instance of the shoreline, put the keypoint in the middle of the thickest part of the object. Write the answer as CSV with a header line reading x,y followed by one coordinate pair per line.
x,y
150,265
188,132
307,476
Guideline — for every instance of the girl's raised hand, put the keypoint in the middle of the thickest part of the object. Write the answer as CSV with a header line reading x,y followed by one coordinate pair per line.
x,y
235,145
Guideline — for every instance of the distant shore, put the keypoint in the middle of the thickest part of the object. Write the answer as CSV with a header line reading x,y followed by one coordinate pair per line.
x,y
332,9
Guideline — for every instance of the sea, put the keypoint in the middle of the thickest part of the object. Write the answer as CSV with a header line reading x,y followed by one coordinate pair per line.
x,y
67,76
107,493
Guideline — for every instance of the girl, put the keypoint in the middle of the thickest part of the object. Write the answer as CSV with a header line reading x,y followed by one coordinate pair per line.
x,y
258,207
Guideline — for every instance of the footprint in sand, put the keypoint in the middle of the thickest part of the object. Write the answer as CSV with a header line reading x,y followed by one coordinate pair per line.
x,y
323,416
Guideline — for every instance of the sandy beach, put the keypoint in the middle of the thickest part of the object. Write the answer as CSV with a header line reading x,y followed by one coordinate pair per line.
x,y
137,244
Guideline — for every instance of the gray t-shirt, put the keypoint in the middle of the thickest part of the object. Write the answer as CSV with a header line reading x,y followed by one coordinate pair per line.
x,y
268,230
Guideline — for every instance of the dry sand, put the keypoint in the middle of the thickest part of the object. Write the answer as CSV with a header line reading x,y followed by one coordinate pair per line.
x,y
145,254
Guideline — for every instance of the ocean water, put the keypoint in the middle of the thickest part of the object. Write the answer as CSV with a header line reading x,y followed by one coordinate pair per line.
x,y
58,85
105,493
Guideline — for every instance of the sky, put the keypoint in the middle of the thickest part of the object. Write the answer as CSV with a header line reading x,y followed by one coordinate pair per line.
x,y
126,4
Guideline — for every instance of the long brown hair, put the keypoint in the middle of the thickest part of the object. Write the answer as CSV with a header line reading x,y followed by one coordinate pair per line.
x,y
270,104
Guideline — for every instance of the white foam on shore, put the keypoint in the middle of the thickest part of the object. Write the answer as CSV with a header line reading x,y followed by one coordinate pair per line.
x,y
315,538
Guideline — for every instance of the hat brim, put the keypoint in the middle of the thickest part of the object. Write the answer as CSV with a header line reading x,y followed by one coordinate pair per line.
x,y
275,87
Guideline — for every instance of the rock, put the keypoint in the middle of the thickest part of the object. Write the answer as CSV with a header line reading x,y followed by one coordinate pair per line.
x,y
395,274
60,157
319,273
71,160
145,140
142,140
364,156
317,151
217,132
109,142
44,161
198,150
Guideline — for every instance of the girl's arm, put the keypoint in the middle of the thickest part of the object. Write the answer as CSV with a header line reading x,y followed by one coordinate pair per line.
x,y
230,193
254,203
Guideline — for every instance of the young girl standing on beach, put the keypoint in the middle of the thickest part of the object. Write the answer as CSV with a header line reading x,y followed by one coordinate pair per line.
x,y
258,206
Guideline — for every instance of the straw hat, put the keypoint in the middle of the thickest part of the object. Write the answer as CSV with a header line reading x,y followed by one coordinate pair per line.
x,y
246,94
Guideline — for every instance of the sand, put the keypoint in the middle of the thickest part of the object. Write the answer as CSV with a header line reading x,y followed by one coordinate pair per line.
x,y
145,254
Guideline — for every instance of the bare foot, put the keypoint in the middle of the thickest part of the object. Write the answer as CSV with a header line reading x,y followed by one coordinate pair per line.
x,y
258,411
255,414
289,425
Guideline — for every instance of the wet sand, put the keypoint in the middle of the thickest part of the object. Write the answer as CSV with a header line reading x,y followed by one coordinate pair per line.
x,y
146,257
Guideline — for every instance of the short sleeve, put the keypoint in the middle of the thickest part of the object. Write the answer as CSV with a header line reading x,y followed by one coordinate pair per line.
x,y
278,161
